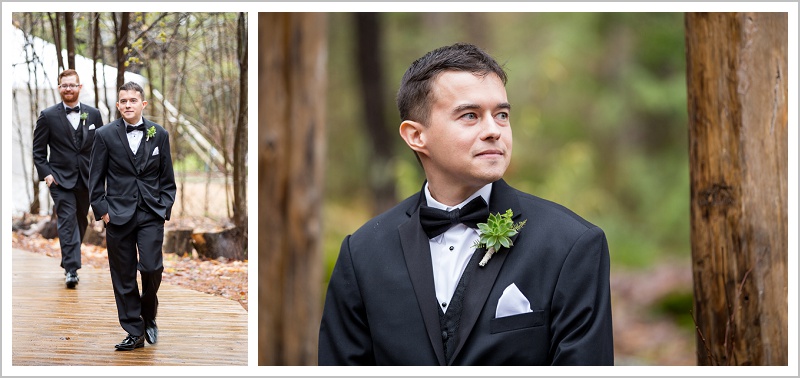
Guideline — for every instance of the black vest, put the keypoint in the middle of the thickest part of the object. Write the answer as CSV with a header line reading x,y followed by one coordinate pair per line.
x,y
450,321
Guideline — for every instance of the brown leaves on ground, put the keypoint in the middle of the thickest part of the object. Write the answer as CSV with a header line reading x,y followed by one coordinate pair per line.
x,y
222,277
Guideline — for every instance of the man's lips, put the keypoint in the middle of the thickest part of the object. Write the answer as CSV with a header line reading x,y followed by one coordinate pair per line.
x,y
490,153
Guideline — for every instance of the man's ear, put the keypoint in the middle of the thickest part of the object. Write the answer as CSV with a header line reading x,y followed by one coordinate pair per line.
x,y
414,134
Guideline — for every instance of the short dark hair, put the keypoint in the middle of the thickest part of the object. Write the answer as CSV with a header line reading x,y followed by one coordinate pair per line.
x,y
68,72
131,86
413,97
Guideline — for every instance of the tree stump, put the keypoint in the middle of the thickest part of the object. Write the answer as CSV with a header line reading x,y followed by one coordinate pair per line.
x,y
50,229
95,234
227,243
178,241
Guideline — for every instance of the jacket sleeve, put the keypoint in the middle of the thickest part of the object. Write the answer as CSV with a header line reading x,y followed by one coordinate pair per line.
x,y
344,336
98,169
167,178
41,138
581,313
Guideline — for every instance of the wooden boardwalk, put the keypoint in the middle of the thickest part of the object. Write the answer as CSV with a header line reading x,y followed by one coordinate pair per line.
x,y
56,326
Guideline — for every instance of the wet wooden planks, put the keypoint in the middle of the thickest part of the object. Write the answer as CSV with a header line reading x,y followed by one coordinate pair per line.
x,y
54,326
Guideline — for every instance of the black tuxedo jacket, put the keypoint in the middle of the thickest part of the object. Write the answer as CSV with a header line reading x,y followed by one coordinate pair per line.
x,y
68,162
116,182
381,305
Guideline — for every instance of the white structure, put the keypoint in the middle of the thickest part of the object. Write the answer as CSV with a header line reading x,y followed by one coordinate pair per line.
x,y
35,77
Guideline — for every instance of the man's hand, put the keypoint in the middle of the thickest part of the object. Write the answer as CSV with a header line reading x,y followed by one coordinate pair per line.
x,y
49,180
106,218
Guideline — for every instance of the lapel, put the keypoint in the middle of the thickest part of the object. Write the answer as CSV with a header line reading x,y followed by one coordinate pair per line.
x,y
123,138
146,144
503,197
416,250
84,130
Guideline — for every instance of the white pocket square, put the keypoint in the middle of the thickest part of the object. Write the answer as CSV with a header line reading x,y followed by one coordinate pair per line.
x,y
91,127
512,302
155,151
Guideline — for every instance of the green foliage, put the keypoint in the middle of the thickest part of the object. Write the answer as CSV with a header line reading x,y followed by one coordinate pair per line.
x,y
678,305
497,231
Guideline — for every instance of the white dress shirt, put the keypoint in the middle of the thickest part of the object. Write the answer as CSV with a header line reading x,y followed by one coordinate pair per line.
x,y
73,117
135,136
451,251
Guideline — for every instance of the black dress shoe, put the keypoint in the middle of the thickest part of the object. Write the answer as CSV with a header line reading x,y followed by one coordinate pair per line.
x,y
151,331
72,279
130,343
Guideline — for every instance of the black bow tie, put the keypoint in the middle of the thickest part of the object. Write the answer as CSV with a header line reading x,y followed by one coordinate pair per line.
x,y
436,221
130,128
76,109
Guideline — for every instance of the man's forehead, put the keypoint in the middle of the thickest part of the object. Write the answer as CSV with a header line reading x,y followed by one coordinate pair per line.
x,y
69,78
131,93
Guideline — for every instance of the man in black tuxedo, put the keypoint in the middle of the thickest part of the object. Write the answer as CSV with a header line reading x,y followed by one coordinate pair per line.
x,y
132,190
68,129
407,288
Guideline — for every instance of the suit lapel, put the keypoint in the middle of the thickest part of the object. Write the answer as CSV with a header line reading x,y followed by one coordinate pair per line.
x,y
483,278
84,131
416,250
123,137
146,144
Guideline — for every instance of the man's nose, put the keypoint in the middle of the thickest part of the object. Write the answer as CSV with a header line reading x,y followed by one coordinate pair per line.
x,y
491,130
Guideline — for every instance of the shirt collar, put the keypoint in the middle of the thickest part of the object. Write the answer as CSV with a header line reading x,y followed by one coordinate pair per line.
x,y
484,192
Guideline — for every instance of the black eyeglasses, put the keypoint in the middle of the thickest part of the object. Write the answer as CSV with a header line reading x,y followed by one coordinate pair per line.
x,y
69,86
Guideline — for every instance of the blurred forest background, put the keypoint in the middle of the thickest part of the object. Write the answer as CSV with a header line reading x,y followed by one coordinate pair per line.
x,y
600,126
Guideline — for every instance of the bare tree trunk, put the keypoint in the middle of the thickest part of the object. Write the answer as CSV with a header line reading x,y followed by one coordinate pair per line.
x,y
292,81
55,25
69,28
737,75
122,43
240,139
33,93
95,45
370,69
178,99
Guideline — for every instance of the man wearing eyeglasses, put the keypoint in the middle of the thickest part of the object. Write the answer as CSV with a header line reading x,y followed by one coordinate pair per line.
x,y
67,128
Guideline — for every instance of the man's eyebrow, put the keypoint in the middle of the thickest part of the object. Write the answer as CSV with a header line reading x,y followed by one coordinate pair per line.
x,y
463,107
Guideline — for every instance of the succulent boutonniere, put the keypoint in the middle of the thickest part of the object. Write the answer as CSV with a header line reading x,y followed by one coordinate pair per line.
x,y
84,115
151,132
497,233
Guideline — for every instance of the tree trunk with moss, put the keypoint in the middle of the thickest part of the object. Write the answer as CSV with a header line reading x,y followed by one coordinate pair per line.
x,y
737,75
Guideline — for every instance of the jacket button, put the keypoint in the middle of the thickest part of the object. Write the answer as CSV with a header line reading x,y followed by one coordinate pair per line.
x,y
444,334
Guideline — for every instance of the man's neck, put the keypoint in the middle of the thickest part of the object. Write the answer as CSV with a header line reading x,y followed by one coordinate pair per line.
x,y
451,195
141,119
72,104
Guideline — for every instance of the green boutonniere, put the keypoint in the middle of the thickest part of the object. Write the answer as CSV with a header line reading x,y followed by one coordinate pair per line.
x,y
151,132
84,115
497,233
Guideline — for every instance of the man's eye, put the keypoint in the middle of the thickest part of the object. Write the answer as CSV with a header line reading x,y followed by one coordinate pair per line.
x,y
470,116
503,115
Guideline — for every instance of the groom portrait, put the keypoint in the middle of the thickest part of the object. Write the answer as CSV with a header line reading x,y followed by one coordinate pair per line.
x,y
132,188
67,129
413,287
